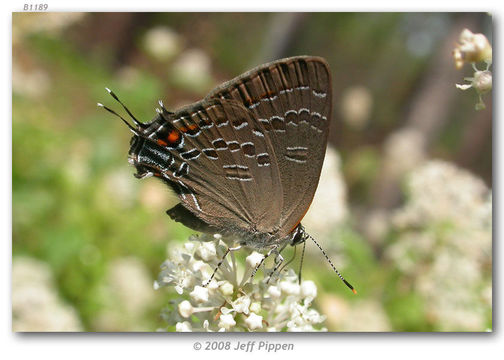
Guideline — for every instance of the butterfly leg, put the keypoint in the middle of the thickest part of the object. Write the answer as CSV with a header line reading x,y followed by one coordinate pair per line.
x,y
278,261
262,261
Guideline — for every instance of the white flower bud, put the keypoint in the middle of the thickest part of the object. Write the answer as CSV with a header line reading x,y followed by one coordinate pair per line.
x,y
198,265
482,81
206,325
241,304
183,326
207,251
212,285
308,289
472,48
274,292
156,285
199,294
254,321
290,288
255,307
226,288
254,259
189,246
185,309
226,321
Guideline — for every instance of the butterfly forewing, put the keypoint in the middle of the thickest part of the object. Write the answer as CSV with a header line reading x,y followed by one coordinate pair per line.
x,y
291,99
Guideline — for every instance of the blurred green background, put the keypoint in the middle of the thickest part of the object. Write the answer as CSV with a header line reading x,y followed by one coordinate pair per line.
x,y
88,238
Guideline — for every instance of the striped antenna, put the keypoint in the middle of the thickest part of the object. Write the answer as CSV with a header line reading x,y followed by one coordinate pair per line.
x,y
333,267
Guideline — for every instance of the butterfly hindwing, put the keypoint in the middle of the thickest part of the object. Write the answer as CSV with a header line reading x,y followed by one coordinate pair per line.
x,y
220,167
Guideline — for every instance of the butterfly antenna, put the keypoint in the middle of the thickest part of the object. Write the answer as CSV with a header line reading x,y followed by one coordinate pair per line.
x,y
137,123
333,267
133,130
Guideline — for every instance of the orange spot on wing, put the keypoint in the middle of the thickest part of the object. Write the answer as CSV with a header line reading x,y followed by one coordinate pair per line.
x,y
173,136
162,142
185,129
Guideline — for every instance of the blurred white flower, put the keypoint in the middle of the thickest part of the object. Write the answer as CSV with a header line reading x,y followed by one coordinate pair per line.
x,y
329,206
444,245
33,83
472,48
128,76
232,301
155,197
376,225
440,191
162,43
192,71
24,24
77,162
117,189
356,316
404,150
129,294
36,306
481,82
131,283
356,106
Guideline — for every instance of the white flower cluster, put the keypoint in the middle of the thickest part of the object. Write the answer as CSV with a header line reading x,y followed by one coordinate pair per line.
x,y
355,316
329,207
444,247
127,294
36,306
232,301
474,48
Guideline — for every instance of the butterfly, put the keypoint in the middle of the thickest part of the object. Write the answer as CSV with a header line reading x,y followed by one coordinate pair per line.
x,y
245,160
